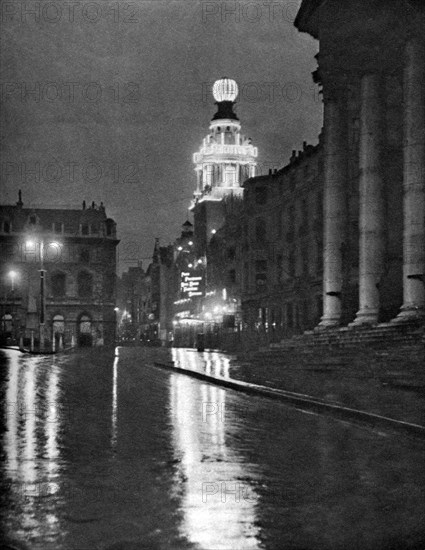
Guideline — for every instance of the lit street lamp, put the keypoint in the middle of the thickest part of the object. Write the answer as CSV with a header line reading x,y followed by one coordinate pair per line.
x,y
32,244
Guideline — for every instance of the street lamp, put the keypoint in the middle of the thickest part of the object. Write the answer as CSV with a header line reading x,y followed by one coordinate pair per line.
x,y
32,244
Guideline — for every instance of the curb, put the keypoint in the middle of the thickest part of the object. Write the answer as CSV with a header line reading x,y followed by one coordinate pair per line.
x,y
303,401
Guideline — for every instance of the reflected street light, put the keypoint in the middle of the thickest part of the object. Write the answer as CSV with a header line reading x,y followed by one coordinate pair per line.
x,y
13,275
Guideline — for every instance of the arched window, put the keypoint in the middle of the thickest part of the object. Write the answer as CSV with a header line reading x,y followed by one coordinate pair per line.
x,y
85,284
85,324
7,323
58,324
58,284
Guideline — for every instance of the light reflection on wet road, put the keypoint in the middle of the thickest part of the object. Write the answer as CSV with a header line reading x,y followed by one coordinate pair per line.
x,y
105,452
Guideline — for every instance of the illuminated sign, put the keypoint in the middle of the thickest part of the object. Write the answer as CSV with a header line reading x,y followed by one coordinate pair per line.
x,y
190,284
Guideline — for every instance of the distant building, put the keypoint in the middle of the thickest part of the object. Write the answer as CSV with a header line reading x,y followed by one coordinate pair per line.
x,y
134,305
58,275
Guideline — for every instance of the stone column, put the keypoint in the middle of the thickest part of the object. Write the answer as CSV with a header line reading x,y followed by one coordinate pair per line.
x,y
198,181
372,243
335,203
413,184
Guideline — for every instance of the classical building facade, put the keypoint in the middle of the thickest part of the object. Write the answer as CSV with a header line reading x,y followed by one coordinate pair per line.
x,y
58,281
371,68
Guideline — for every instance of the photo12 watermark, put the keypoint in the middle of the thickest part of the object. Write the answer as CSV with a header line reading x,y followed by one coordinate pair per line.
x,y
238,11
69,92
72,12
68,171
227,491
213,410
269,92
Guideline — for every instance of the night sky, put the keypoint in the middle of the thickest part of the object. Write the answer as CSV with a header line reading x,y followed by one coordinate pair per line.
x,y
108,101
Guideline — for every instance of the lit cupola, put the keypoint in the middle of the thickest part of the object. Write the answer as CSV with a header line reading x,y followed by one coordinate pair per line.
x,y
226,158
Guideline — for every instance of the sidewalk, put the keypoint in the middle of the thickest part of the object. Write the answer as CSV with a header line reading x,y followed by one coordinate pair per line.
x,y
389,383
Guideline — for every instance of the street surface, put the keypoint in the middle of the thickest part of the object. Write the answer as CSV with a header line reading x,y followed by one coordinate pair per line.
x,y
102,450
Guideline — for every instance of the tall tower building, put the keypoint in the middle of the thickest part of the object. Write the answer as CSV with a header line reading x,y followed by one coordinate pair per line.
x,y
224,161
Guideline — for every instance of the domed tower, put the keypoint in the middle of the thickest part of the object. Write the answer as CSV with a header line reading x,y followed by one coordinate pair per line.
x,y
226,158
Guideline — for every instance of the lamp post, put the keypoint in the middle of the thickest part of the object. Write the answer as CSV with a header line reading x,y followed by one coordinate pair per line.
x,y
12,276
42,271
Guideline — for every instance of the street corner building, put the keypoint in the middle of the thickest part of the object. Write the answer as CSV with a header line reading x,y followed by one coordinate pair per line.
x,y
58,276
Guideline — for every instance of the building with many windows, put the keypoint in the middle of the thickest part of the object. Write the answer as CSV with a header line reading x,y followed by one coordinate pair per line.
x,y
57,275
280,251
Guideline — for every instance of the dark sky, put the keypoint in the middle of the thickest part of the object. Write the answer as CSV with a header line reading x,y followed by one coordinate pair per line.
x,y
108,104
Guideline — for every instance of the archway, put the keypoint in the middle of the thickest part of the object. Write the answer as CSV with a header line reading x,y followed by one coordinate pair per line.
x,y
58,330
84,331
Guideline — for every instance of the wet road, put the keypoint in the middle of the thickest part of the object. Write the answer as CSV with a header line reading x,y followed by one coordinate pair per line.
x,y
107,452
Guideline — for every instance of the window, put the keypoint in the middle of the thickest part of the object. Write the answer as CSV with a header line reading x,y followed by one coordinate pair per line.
x,y
279,222
260,195
304,213
85,284
231,253
232,276
58,283
84,229
290,315
109,227
304,252
33,219
85,256
85,325
58,324
260,230
319,206
109,284
279,274
261,266
57,227
6,227
291,264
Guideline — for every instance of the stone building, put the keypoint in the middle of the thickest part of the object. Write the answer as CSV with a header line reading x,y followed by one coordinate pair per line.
x,y
134,304
280,252
371,67
58,275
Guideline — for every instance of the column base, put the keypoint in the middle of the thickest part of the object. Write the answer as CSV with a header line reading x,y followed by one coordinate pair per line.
x,y
409,314
369,318
328,323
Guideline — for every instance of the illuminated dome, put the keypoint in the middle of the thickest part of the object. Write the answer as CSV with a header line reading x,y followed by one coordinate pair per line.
x,y
225,89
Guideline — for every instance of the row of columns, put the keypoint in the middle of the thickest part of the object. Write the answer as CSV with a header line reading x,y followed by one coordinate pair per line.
x,y
372,214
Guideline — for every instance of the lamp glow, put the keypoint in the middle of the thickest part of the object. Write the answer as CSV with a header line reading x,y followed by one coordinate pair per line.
x,y
225,89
